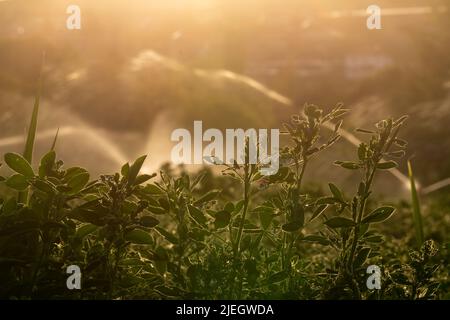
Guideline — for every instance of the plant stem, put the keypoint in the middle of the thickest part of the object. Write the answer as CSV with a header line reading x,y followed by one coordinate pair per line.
x,y
368,184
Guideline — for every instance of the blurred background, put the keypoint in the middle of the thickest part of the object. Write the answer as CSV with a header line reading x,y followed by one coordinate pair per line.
x,y
137,69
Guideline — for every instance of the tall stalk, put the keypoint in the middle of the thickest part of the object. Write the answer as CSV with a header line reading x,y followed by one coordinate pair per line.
x,y
247,187
32,128
370,159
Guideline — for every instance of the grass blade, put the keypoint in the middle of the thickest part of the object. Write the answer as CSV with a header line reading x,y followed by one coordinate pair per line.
x,y
29,145
417,215
31,136
54,140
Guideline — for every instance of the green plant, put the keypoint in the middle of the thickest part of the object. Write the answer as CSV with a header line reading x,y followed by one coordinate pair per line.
x,y
33,234
414,279
350,229
179,236
116,208
291,204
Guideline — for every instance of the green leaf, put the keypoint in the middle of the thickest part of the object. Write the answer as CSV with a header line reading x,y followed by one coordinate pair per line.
x,y
54,140
379,215
156,210
263,208
167,235
129,208
160,254
361,257
32,128
238,207
347,165
77,183
336,192
19,164
229,207
222,219
317,239
17,182
143,178
47,163
135,168
148,221
92,212
72,172
319,210
363,228
266,218
164,203
387,165
374,239
125,169
207,197
138,236
85,230
340,222
153,189
197,215
292,226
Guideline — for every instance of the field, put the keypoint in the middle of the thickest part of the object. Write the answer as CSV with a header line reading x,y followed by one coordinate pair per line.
x,y
180,237
99,202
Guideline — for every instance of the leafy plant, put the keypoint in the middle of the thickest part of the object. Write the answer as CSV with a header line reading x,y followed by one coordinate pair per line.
x,y
414,279
350,229
241,235
291,204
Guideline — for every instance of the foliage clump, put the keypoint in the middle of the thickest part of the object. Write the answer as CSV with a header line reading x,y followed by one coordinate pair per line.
x,y
180,236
